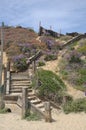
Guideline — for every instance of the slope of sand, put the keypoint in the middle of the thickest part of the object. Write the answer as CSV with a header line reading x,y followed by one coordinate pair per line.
x,y
54,66
72,121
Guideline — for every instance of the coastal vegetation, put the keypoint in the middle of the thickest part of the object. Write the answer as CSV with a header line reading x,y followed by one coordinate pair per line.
x,y
73,66
23,43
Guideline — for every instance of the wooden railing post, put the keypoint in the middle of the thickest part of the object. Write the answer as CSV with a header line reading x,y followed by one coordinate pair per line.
x,y
64,100
8,79
47,112
8,66
34,66
8,83
2,103
5,75
24,102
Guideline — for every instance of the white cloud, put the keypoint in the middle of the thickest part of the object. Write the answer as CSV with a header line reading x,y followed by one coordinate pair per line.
x,y
69,14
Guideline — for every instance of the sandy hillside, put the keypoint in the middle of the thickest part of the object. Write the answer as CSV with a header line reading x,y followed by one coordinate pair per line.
x,y
54,66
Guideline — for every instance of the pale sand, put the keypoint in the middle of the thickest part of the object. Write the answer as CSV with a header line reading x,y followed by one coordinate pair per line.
x,y
61,121
72,121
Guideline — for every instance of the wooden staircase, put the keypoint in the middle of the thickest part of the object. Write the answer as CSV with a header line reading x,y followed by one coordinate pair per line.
x,y
14,82
17,82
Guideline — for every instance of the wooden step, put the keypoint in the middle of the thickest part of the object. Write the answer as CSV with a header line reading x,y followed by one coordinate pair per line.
x,y
16,94
35,101
14,88
30,90
19,73
31,94
10,102
32,97
42,109
40,105
19,79
16,91
11,97
19,85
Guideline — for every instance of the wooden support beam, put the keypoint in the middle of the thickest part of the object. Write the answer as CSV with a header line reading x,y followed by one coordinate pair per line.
x,y
24,102
47,112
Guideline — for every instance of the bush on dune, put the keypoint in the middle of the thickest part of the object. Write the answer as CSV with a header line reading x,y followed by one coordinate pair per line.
x,y
49,85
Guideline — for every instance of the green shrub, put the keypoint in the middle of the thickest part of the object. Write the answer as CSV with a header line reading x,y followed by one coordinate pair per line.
x,y
75,59
81,80
69,98
20,62
50,57
82,49
72,46
64,74
82,71
72,67
79,105
41,63
49,85
80,87
4,110
32,117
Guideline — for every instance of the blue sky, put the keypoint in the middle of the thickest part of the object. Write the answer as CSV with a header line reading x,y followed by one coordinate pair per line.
x,y
67,15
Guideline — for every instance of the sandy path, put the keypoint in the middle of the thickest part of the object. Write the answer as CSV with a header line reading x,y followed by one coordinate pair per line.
x,y
51,65
73,92
64,122
13,121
